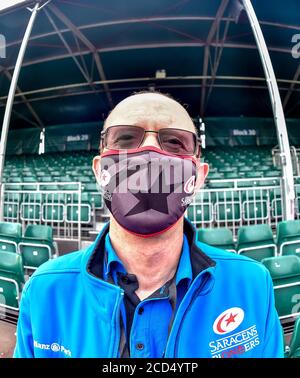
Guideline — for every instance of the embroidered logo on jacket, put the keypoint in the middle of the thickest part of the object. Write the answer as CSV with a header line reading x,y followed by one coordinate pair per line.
x,y
55,347
234,344
228,321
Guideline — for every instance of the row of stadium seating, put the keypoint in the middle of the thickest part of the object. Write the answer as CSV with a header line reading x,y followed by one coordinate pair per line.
x,y
35,246
256,241
252,162
55,207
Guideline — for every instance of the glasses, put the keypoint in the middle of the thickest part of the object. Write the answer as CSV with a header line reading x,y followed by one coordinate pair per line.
x,y
128,137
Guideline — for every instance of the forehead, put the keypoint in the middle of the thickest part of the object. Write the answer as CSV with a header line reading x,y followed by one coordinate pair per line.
x,y
151,111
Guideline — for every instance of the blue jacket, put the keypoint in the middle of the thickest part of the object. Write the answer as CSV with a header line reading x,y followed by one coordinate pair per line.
x,y
228,311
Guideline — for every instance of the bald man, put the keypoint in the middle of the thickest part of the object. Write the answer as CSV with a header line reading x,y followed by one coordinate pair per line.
x,y
146,287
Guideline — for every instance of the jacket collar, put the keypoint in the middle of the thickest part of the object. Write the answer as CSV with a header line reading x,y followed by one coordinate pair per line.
x,y
93,263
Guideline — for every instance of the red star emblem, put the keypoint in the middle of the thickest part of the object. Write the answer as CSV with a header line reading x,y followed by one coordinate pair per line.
x,y
231,319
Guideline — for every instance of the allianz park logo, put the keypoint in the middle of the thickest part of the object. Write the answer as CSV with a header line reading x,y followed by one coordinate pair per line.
x,y
54,347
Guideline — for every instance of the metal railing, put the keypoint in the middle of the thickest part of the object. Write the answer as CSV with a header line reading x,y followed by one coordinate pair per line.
x,y
58,205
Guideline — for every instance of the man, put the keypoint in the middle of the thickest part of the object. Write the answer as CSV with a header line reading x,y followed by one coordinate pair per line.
x,y
146,287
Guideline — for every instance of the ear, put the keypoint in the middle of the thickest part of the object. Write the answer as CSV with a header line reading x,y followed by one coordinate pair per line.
x,y
97,168
202,170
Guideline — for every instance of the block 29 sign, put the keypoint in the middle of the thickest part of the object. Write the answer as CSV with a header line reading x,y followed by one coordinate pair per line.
x,y
77,138
243,132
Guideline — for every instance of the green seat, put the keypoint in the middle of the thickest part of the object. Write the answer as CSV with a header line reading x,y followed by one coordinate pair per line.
x,y
96,200
200,213
268,182
219,237
36,246
13,187
215,176
12,197
231,175
246,183
294,350
255,210
288,237
228,211
253,174
11,280
45,179
11,211
220,185
72,213
285,273
256,241
10,235
226,196
91,187
53,212
56,197
34,198
276,208
30,212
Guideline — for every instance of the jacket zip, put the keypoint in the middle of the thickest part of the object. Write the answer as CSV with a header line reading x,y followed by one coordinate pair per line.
x,y
184,315
117,325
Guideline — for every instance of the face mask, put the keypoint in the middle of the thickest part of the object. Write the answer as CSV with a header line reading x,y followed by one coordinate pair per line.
x,y
147,190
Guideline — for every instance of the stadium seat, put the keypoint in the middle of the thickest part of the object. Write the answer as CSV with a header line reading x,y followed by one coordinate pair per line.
x,y
36,246
53,212
30,211
200,213
294,348
288,237
72,209
219,237
227,211
11,280
10,235
285,273
256,241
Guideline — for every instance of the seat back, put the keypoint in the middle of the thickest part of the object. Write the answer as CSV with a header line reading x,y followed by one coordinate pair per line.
x,y
288,229
285,273
11,279
10,229
256,241
295,341
255,234
288,237
39,232
220,237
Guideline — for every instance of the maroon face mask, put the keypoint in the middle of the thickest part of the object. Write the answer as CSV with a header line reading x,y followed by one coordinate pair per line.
x,y
147,190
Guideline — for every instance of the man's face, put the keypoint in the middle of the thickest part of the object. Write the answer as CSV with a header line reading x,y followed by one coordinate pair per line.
x,y
151,111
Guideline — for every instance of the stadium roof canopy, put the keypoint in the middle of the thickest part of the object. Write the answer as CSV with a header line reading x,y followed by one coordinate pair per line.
x,y
86,55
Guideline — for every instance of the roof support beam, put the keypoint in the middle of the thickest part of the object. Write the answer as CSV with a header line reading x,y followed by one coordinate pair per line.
x,y
19,91
137,87
288,95
149,46
215,25
84,74
147,79
150,19
218,53
88,44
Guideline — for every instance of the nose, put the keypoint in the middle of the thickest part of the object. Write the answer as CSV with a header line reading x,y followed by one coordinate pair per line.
x,y
150,140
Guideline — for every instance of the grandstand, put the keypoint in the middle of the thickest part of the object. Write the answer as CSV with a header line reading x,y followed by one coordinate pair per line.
x,y
70,79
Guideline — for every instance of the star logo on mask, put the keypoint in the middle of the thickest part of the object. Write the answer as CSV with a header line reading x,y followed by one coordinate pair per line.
x,y
152,201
